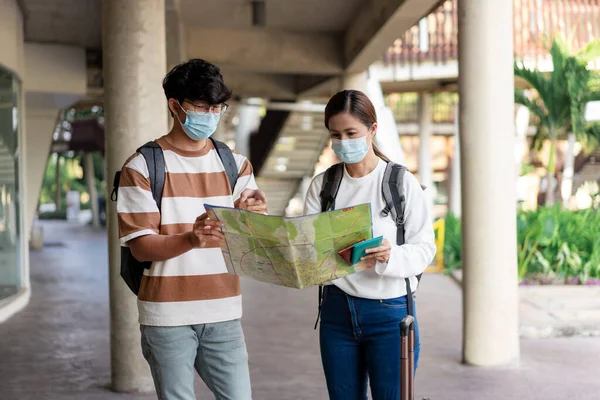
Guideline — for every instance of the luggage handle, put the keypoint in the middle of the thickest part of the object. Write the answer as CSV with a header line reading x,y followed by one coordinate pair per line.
x,y
407,358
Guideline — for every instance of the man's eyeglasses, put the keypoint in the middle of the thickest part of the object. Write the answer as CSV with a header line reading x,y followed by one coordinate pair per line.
x,y
204,109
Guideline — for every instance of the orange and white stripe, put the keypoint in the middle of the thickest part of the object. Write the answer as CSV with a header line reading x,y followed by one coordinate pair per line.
x,y
193,288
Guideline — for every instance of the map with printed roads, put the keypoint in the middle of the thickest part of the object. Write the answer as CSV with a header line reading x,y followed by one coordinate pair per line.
x,y
296,252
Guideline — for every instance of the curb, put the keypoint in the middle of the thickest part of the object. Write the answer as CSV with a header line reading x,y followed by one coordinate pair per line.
x,y
544,332
563,331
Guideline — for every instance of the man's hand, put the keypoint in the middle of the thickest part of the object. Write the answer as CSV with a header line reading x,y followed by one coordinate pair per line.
x,y
381,253
206,232
253,200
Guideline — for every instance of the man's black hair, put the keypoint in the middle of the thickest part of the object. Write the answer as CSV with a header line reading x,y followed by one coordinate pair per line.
x,y
196,80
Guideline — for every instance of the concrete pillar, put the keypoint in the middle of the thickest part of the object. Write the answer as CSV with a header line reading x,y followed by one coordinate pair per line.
x,y
57,192
387,138
455,185
354,82
486,88
41,123
176,39
521,127
176,43
90,180
248,122
425,156
136,111
568,170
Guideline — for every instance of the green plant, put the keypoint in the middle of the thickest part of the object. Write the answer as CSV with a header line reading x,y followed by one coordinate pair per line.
x,y
72,177
552,243
452,243
61,215
560,98
526,168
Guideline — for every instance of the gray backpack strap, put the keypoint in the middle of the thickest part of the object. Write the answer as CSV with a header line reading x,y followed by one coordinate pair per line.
x,y
228,160
332,179
395,204
394,197
155,159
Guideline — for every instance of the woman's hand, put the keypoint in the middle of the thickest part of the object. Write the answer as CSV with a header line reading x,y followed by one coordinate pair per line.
x,y
381,253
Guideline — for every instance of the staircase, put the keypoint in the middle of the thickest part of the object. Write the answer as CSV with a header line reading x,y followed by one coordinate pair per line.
x,y
291,158
7,166
587,170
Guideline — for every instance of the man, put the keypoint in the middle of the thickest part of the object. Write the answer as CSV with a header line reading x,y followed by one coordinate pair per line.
x,y
189,307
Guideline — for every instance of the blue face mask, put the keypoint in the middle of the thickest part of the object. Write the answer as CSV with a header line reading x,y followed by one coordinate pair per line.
x,y
350,151
199,126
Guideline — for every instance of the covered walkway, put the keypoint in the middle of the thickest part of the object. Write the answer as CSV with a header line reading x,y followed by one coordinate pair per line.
x,y
58,347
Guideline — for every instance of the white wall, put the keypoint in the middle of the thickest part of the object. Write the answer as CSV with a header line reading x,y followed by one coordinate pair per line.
x,y
11,36
55,69
40,126
55,77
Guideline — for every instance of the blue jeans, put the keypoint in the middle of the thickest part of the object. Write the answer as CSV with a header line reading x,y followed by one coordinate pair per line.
x,y
216,351
360,338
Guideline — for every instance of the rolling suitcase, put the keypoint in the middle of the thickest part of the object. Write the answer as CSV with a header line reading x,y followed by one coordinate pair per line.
x,y
407,358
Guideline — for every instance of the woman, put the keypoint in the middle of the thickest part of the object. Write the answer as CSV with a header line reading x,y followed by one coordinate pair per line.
x,y
360,314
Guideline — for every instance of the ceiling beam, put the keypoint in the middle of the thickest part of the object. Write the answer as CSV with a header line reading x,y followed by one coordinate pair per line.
x,y
433,85
420,85
173,5
375,27
263,50
23,8
324,89
253,84
175,36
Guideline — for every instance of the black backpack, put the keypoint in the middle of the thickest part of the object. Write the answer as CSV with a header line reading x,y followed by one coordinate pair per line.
x,y
132,270
393,195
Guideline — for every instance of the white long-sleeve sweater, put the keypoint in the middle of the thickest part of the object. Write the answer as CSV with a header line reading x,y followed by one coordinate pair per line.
x,y
386,280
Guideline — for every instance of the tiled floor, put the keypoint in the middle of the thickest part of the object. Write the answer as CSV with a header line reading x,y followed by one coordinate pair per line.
x,y
58,347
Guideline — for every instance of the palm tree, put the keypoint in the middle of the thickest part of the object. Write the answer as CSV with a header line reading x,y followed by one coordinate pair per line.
x,y
583,86
560,99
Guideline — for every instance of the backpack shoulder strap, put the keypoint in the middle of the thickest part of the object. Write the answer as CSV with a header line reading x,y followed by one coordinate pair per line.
x,y
394,197
395,204
115,189
155,159
228,160
332,179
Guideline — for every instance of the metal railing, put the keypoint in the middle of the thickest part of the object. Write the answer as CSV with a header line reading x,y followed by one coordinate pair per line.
x,y
405,106
435,37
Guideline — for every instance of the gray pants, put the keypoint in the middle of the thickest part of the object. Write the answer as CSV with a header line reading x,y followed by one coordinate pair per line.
x,y
216,351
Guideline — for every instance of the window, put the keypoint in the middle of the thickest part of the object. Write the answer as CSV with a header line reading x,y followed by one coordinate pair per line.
x,y
10,235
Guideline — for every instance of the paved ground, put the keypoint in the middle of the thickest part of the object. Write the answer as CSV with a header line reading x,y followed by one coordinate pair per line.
x,y
58,349
557,310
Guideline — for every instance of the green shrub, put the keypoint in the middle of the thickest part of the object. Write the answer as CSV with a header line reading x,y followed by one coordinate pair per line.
x,y
61,214
552,244
452,243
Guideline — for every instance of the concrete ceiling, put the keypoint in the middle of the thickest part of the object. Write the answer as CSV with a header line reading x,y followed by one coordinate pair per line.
x,y
78,22
74,22
295,16
304,43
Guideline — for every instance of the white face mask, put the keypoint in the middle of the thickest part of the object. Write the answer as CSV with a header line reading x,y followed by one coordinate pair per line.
x,y
199,126
350,151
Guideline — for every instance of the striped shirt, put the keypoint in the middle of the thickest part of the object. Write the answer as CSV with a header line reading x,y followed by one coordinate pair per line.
x,y
193,288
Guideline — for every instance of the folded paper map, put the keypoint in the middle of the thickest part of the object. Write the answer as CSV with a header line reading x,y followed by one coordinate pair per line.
x,y
295,252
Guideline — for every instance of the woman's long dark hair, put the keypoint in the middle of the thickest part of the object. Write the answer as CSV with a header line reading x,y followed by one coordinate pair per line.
x,y
357,104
